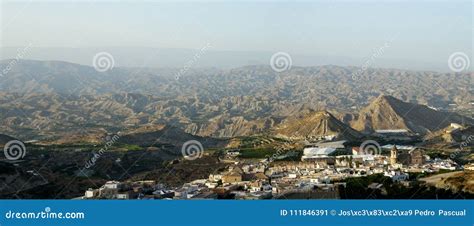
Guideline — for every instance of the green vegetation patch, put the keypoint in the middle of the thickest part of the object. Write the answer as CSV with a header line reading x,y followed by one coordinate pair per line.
x,y
131,147
257,153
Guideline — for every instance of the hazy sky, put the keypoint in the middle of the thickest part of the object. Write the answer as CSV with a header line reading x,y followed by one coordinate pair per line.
x,y
419,30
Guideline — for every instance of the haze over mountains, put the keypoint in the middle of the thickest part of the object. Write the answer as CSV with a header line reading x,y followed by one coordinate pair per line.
x,y
71,102
209,57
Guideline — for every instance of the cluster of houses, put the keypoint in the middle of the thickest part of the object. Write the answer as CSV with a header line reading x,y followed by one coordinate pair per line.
x,y
403,157
323,167
120,190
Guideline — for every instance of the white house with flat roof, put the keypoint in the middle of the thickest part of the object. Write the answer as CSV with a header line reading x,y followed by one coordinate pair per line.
x,y
316,152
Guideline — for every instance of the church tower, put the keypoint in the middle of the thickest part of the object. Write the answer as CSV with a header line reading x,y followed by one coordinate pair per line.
x,y
393,155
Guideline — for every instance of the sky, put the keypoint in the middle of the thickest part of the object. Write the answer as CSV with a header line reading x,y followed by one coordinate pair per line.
x,y
426,31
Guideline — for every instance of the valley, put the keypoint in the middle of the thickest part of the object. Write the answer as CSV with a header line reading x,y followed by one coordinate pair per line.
x,y
113,128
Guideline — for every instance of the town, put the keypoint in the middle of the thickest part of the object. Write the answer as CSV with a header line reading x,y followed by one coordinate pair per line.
x,y
320,172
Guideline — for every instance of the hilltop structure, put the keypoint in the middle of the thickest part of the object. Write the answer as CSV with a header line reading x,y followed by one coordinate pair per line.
x,y
404,157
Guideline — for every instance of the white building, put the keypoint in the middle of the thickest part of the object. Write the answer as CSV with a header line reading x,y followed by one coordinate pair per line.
x,y
215,177
456,126
91,193
391,131
396,176
316,152
123,196
399,147
469,166
112,185
211,185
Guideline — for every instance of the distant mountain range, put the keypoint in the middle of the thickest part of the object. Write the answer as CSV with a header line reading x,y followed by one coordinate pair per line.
x,y
60,101
209,57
